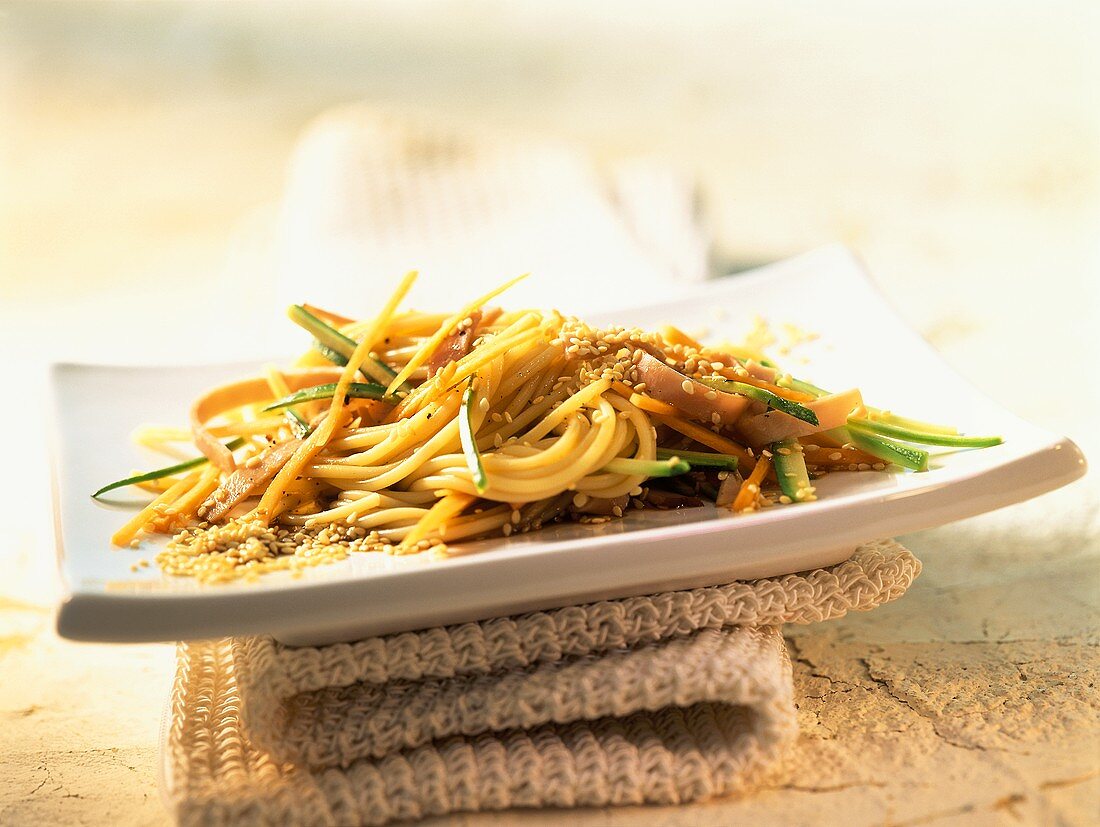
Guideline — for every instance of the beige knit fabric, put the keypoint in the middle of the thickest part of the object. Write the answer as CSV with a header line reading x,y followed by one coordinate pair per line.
x,y
663,699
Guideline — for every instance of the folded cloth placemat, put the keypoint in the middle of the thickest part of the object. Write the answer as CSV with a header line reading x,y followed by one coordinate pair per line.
x,y
663,699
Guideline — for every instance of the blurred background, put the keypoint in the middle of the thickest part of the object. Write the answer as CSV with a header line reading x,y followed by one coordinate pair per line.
x,y
162,170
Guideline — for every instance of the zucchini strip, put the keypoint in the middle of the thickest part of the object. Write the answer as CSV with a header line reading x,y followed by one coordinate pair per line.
x,y
795,409
298,425
469,442
701,459
800,386
790,470
164,472
875,415
671,467
886,428
334,345
888,450
356,390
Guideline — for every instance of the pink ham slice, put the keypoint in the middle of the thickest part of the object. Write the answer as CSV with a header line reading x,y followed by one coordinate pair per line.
x,y
668,385
455,346
242,482
832,411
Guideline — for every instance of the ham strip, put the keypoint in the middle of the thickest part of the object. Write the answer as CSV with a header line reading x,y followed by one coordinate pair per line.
x,y
242,482
695,399
455,346
771,426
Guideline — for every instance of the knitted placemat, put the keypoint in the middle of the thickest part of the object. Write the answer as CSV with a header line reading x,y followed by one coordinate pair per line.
x,y
664,699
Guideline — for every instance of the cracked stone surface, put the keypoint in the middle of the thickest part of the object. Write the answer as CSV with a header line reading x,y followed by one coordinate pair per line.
x,y
972,700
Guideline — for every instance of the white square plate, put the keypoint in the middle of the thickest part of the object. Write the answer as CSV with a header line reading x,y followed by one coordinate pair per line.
x,y
97,406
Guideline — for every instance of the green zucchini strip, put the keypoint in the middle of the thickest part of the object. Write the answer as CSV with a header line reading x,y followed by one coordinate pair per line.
x,y
767,397
800,386
334,345
356,390
327,335
701,459
879,415
469,442
885,428
790,470
165,472
671,467
911,424
888,450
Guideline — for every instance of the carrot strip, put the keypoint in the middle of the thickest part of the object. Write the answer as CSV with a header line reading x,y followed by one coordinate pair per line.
x,y
655,406
710,439
136,523
786,393
622,390
746,496
673,335
186,506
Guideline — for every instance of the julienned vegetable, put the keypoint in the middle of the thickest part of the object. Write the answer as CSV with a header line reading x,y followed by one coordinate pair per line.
x,y
149,476
469,442
888,429
671,467
790,470
334,345
795,409
701,459
356,390
888,451
329,337
887,424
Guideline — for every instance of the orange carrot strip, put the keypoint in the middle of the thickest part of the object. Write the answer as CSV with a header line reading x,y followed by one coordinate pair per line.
x,y
656,406
622,390
746,496
136,523
710,439
786,393
673,335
